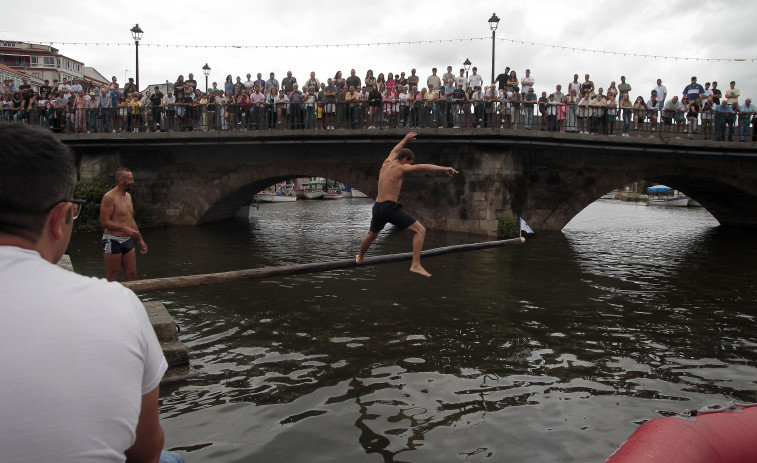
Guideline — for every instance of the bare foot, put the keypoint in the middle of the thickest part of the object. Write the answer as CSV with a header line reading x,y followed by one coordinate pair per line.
x,y
419,270
358,259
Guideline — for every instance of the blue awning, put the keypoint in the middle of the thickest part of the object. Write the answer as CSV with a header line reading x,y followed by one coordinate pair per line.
x,y
658,189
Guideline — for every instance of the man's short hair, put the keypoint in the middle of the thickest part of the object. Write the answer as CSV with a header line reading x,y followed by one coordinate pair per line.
x,y
120,172
36,171
406,153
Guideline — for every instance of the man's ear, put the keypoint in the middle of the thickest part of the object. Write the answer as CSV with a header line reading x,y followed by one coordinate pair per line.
x,y
57,221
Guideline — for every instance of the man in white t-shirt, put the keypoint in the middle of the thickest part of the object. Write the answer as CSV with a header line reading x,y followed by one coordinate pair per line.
x,y
169,108
461,79
662,92
526,83
475,79
80,361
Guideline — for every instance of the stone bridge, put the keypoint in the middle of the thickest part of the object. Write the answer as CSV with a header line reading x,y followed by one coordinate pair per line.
x,y
546,178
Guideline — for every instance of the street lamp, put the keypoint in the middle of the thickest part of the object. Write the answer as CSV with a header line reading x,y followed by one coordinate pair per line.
x,y
206,71
493,23
136,33
466,65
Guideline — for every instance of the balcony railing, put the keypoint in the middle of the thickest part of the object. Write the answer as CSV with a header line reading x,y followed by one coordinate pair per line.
x,y
582,121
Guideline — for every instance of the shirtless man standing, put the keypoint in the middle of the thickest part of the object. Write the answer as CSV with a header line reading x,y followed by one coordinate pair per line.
x,y
386,209
117,216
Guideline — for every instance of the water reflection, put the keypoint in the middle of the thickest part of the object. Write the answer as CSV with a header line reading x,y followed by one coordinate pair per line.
x,y
550,351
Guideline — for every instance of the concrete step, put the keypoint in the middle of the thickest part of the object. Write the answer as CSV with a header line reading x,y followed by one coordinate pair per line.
x,y
176,353
162,322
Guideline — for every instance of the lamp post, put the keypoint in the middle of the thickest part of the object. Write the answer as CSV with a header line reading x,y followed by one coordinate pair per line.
x,y
466,65
493,23
206,71
136,33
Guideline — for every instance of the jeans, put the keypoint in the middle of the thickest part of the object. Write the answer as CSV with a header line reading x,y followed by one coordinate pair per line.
x,y
529,109
170,457
610,124
719,129
310,117
731,122
744,128
431,115
626,120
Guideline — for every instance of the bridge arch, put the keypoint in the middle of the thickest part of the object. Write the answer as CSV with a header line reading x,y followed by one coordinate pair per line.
x,y
236,189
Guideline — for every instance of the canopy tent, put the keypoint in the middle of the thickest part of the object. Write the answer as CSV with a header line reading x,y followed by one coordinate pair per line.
x,y
658,189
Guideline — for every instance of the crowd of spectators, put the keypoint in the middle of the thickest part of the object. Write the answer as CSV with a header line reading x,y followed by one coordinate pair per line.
x,y
395,100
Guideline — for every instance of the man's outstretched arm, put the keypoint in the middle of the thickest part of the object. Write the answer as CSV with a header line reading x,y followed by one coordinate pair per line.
x,y
408,138
429,168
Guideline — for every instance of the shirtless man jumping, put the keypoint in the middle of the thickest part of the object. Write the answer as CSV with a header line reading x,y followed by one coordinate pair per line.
x,y
121,232
387,210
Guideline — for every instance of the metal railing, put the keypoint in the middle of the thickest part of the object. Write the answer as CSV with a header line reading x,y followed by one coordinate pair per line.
x,y
632,122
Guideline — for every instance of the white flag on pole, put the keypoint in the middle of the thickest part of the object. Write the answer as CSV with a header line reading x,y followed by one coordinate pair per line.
x,y
524,226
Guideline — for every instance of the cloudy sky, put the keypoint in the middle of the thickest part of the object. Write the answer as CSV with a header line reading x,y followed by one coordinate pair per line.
x,y
698,30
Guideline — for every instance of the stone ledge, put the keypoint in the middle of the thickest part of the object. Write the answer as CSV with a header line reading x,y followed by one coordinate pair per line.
x,y
162,322
176,353
178,374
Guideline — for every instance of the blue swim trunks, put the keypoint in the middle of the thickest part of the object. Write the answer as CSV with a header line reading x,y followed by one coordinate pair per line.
x,y
117,244
390,212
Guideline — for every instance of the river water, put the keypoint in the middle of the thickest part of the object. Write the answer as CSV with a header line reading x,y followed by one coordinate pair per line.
x,y
550,351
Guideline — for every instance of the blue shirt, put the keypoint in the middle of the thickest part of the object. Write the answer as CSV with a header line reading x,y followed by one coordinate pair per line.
x,y
693,91
114,98
448,90
746,109
722,113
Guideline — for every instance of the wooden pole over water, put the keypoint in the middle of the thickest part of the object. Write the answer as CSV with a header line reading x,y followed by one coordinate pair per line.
x,y
188,281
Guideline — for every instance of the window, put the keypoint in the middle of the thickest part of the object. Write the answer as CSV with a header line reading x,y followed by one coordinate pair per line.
x,y
35,61
20,60
48,62
9,44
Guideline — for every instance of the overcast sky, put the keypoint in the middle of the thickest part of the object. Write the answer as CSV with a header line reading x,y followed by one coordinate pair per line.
x,y
676,28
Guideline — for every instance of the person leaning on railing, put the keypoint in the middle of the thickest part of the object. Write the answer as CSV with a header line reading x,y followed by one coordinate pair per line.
x,y
626,109
491,97
747,111
653,108
168,104
708,115
692,114
282,109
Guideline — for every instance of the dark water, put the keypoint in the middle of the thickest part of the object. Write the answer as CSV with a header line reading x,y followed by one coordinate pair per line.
x,y
550,351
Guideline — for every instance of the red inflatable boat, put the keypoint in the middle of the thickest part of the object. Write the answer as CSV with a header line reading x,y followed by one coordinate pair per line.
x,y
711,435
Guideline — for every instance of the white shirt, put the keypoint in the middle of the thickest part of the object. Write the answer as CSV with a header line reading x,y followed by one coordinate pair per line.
x,y
476,80
662,92
76,355
526,83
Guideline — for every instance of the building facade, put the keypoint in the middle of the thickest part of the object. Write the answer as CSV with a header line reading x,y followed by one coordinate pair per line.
x,y
43,62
